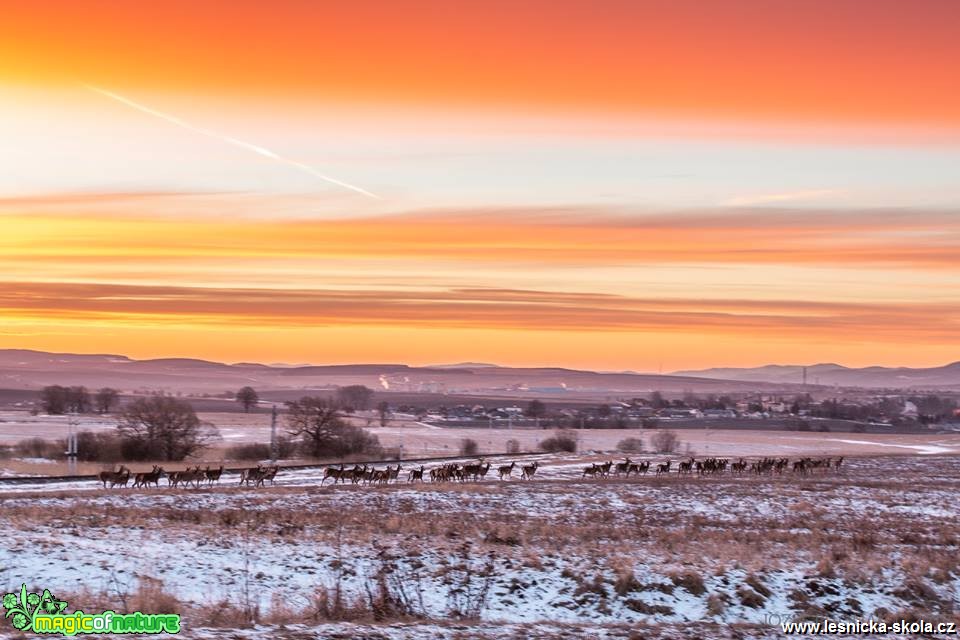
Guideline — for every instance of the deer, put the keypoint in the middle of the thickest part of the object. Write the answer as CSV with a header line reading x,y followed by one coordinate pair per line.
x,y
332,472
109,476
190,476
251,475
506,470
145,478
604,469
392,474
622,467
529,470
415,474
592,471
837,463
213,475
121,478
685,467
664,467
482,472
355,475
269,473
638,468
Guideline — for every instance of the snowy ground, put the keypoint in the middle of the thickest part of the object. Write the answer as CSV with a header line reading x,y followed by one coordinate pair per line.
x,y
878,539
416,439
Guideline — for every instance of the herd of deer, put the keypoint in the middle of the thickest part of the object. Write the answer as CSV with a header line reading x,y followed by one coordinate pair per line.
x,y
195,477
450,472
713,466
457,472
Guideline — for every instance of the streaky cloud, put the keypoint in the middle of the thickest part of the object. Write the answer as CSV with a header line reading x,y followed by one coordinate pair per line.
x,y
249,146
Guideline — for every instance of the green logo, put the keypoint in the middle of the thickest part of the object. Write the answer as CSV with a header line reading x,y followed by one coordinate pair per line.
x,y
44,613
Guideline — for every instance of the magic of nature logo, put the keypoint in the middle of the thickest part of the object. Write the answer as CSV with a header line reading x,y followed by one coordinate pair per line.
x,y
44,613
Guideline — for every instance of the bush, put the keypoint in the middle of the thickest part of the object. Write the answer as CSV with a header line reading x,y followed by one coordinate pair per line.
x,y
513,446
664,441
469,447
561,441
38,448
162,428
322,432
99,447
691,581
249,451
630,445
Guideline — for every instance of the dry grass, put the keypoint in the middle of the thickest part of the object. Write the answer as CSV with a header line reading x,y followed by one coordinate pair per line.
x,y
593,534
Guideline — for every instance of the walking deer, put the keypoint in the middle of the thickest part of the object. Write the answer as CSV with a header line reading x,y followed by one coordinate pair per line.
x,y
506,470
146,478
333,472
111,476
415,475
213,475
529,470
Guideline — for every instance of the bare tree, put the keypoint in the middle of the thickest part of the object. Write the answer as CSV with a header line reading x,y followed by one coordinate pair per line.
x,y
53,399
162,427
78,399
664,441
354,397
383,409
318,423
248,398
469,447
105,399
536,410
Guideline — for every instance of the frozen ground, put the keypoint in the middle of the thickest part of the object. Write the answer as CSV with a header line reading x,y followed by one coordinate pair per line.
x,y
424,440
878,539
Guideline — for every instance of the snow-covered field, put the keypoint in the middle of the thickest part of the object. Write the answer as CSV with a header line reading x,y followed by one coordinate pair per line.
x,y
878,539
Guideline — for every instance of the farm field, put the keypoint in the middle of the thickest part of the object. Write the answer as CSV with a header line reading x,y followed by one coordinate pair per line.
x,y
425,440
713,556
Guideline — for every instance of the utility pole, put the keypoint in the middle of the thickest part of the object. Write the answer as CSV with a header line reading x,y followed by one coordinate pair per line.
x,y
273,434
72,447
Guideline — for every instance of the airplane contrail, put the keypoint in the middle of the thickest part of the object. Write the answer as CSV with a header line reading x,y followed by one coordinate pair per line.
x,y
267,153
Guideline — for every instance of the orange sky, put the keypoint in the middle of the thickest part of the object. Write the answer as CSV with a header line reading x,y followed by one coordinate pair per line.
x,y
615,185
820,59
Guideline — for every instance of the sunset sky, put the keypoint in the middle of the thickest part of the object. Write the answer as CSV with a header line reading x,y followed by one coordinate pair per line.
x,y
612,185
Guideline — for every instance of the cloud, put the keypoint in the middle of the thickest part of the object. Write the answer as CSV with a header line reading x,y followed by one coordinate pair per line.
x,y
475,308
773,198
230,140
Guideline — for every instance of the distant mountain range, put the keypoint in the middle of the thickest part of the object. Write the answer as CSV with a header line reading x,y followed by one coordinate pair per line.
x,y
26,369
945,377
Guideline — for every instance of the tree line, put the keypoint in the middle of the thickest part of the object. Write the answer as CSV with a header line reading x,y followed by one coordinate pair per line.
x,y
57,400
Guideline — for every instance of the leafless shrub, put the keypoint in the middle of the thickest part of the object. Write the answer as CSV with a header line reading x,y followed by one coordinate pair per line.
x,y
469,447
631,445
249,451
513,446
470,582
395,591
560,441
757,585
626,582
597,585
150,596
665,441
38,448
750,598
825,568
691,581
